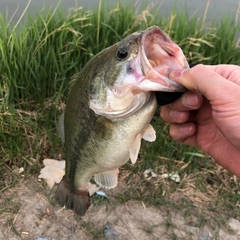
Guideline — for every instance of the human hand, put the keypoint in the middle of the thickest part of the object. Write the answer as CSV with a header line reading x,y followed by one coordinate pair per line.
x,y
208,115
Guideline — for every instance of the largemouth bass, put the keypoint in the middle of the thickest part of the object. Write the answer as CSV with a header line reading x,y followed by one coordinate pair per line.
x,y
109,108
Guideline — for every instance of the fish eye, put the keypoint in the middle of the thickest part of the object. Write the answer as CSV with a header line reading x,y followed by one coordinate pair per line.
x,y
122,53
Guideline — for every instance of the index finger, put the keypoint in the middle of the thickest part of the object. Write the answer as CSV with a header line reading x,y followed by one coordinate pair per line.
x,y
228,71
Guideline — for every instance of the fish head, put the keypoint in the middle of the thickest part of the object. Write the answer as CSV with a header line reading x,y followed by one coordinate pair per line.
x,y
131,69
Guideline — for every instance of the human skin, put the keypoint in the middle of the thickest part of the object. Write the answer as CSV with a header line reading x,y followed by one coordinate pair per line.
x,y
208,115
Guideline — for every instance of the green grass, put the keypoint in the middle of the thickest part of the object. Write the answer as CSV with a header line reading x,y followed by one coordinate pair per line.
x,y
36,65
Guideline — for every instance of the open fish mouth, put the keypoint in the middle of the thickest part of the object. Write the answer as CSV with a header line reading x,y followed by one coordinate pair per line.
x,y
158,56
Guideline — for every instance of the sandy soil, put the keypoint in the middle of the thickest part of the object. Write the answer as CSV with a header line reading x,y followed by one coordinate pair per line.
x,y
28,211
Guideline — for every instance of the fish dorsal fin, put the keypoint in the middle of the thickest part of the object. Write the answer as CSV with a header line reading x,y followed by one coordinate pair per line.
x,y
135,148
149,134
61,127
108,179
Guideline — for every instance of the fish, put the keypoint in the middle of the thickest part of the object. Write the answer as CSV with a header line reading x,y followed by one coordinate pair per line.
x,y
109,108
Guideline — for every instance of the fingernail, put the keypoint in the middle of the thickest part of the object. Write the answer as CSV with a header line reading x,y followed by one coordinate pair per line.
x,y
176,73
177,116
190,99
186,129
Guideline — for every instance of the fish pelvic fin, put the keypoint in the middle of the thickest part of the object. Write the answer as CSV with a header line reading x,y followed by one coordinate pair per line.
x,y
77,200
108,179
149,134
134,150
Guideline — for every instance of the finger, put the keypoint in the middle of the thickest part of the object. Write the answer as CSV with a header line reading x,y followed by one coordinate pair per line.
x,y
178,111
188,101
228,71
184,133
173,116
169,115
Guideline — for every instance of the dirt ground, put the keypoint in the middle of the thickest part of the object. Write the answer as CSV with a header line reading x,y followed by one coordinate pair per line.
x,y
29,211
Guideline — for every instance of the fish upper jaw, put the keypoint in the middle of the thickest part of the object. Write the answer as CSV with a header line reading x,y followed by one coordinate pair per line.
x,y
158,55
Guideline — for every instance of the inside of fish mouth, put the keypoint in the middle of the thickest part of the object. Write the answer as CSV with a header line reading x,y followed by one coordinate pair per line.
x,y
157,53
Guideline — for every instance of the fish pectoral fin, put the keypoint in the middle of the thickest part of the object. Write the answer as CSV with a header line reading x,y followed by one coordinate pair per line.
x,y
135,149
149,134
108,179
61,132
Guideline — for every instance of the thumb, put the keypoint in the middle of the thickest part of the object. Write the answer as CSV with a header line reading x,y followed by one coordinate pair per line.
x,y
205,81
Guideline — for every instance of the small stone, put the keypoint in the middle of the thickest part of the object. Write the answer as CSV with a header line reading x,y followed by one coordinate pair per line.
x,y
234,224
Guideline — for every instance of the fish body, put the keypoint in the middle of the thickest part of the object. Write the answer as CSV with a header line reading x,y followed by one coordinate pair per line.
x,y
109,108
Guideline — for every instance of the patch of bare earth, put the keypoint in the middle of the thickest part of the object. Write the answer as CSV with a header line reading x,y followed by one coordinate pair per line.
x,y
29,211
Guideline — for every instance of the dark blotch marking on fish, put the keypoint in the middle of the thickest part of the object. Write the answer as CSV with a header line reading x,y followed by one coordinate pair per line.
x,y
92,89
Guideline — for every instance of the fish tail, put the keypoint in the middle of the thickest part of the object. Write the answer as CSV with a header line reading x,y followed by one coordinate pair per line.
x,y
77,200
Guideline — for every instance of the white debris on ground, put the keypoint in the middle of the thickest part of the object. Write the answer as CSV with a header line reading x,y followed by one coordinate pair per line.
x,y
149,173
52,172
173,176
234,224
